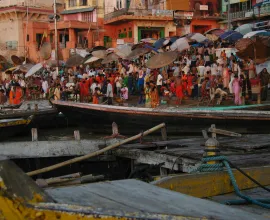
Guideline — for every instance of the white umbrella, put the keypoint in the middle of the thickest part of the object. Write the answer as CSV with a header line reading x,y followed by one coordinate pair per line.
x,y
34,69
198,37
99,54
253,33
180,45
91,60
260,67
123,51
244,29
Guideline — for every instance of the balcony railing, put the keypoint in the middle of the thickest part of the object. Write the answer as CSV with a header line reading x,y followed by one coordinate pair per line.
x,y
265,10
138,12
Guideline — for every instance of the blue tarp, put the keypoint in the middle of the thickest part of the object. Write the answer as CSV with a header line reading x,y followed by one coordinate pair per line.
x,y
159,43
231,36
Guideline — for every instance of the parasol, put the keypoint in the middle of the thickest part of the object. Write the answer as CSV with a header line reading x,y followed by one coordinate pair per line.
x,y
148,40
75,60
34,69
253,33
110,58
91,60
23,59
123,51
136,53
231,36
3,59
160,43
244,29
215,31
161,59
261,66
198,37
98,48
46,51
180,45
10,70
99,54
16,60
212,37
25,67
53,63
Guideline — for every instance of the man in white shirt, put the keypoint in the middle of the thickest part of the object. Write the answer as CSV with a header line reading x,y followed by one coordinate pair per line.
x,y
45,87
130,69
176,70
109,93
118,82
159,83
186,68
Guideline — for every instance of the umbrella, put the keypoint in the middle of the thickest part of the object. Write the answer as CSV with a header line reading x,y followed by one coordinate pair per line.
x,y
180,45
231,36
99,54
53,63
215,31
16,60
198,37
253,33
99,48
148,40
267,34
244,29
261,66
212,37
123,51
25,67
110,58
75,60
91,60
46,51
136,53
23,59
34,69
161,59
3,59
159,43
10,70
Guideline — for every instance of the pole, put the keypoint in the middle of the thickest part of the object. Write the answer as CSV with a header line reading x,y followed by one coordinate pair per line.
x,y
56,37
96,153
229,15
26,31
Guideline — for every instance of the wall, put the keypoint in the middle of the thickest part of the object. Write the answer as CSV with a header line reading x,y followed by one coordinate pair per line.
x,y
31,3
168,25
210,23
178,5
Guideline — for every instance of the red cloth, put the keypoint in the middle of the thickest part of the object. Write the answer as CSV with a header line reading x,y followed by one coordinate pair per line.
x,y
179,91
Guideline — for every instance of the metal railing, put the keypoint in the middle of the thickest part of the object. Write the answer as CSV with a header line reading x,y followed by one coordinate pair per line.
x,y
138,12
265,10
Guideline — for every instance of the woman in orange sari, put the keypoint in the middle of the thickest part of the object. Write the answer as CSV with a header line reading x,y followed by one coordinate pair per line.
x,y
154,96
189,84
11,96
18,96
184,84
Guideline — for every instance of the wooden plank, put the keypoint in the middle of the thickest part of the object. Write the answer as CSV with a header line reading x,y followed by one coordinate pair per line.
x,y
215,183
149,157
135,195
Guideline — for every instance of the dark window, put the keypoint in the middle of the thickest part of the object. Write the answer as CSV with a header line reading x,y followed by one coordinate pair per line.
x,y
39,39
28,38
72,3
130,34
83,3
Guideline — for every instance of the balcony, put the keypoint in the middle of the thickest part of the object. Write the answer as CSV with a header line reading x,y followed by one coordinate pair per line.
x,y
247,14
137,14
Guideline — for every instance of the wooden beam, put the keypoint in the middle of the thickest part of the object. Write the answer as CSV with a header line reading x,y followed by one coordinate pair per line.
x,y
148,157
204,185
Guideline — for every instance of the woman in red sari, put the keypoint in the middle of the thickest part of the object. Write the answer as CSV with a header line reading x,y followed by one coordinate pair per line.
x,y
18,96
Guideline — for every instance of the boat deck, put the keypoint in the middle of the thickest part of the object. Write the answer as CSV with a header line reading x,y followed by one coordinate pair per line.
x,y
132,196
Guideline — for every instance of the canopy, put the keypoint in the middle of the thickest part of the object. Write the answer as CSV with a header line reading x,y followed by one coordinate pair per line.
x,y
231,36
34,70
137,52
159,43
75,60
244,29
46,51
91,60
123,51
198,37
215,31
180,45
16,60
10,70
253,33
260,67
161,59
148,40
25,67
110,58
99,54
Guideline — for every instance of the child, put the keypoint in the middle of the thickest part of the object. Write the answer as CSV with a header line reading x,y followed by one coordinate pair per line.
x,y
236,85
96,95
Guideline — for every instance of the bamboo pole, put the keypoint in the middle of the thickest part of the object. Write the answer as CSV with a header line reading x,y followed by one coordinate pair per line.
x,y
93,154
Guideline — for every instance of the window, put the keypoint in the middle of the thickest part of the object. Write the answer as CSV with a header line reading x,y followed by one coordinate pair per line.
x,y
120,5
130,34
83,3
27,38
94,2
72,3
12,45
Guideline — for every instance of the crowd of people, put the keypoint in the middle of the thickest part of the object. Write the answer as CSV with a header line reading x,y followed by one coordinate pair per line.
x,y
197,74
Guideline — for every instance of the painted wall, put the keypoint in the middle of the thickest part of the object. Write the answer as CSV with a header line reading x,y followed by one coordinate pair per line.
x,y
204,24
31,3
178,5
112,5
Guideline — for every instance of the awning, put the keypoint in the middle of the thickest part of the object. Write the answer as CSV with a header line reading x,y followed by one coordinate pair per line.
x,y
75,11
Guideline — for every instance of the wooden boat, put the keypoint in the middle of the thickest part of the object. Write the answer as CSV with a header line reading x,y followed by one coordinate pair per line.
x,y
44,113
99,118
11,127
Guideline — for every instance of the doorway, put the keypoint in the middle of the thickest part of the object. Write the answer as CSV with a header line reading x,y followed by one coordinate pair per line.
x,y
155,33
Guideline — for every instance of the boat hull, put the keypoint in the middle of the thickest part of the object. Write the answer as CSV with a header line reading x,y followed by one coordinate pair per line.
x,y
99,119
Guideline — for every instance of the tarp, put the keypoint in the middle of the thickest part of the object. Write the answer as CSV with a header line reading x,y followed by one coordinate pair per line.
x,y
253,33
231,36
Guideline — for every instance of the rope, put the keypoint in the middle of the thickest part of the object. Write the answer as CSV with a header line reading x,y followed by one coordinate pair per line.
x,y
224,162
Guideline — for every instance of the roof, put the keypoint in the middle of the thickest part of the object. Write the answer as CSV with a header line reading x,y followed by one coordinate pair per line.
x,y
74,11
